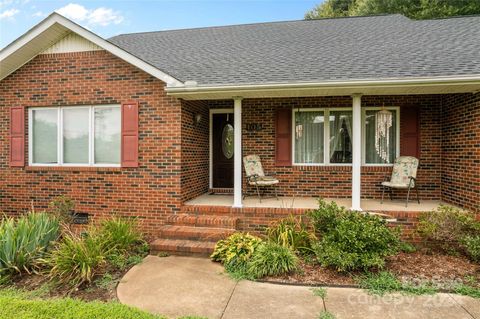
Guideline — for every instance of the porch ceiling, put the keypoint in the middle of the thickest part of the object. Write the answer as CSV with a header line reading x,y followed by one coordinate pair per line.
x,y
379,87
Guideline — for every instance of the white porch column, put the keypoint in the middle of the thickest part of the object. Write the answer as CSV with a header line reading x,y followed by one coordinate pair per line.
x,y
237,159
356,151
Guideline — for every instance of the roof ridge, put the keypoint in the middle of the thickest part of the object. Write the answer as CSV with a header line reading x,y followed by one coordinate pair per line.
x,y
261,23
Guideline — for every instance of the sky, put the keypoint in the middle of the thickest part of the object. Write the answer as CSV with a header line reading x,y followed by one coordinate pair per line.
x,y
109,18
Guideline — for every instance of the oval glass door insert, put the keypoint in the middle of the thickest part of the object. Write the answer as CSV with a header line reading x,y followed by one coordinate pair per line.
x,y
227,141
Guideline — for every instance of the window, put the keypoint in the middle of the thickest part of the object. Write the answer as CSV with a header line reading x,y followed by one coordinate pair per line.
x,y
75,136
318,141
308,135
391,141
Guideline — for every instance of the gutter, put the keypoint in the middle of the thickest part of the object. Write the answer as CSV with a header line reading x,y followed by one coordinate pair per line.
x,y
191,87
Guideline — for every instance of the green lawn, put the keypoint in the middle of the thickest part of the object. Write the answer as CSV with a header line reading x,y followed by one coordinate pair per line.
x,y
22,305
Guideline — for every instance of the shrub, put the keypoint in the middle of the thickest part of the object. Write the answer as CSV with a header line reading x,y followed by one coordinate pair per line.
x,y
23,242
325,217
292,233
77,259
351,240
120,234
272,259
472,247
445,227
239,247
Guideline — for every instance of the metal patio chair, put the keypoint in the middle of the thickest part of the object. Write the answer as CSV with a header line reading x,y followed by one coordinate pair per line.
x,y
404,176
256,176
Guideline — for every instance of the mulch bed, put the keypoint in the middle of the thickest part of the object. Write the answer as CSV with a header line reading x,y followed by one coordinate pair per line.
x,y
413,267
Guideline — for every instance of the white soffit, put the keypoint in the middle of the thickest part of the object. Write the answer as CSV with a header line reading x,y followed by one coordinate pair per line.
x,y
53,29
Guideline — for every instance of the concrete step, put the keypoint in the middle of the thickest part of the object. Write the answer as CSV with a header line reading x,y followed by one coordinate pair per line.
x,y
182,247
194,233
203,220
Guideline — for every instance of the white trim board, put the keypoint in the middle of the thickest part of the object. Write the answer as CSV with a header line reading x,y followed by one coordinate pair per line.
x,y
54,28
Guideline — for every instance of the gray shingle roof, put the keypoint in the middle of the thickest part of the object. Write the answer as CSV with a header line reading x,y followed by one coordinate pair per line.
x,y
360,48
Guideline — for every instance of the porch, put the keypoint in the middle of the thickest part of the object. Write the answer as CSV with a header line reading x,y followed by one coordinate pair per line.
x,y
307,203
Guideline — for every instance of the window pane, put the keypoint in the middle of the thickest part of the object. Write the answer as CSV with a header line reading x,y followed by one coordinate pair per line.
x,y
340,136
107,135
371,154
309,137
75,135
44,136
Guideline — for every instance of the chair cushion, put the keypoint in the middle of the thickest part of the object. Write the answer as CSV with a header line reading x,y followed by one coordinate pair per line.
x,y
265,181
253,166
395,185
403,168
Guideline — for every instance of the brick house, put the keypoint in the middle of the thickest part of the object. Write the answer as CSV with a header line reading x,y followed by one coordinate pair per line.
x,y
154,125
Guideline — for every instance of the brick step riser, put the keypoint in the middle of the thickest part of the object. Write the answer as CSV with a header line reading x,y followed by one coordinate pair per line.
x,y
203,220
181,251
209,237
182,247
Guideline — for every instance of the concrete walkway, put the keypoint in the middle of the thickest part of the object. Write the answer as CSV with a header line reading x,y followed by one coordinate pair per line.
x,y
179,286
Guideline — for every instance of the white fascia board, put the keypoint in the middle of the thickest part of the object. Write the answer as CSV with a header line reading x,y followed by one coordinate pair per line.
x,y
92,37
424,81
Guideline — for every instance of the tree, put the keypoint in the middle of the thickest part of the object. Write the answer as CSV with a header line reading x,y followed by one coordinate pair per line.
x,y
415,9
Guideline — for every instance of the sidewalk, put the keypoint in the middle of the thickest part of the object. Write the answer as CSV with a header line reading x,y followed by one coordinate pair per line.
x,y
180,286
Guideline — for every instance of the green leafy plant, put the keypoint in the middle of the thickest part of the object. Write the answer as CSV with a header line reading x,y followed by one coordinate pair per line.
x,y
291,232
407,247
326,315
471,245
385,282
120,234
272,259
322,293
106,281
78,259
23,242
467,290
238,247
351,240
445,227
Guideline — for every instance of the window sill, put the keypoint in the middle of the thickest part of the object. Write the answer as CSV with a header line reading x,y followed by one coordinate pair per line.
x,y
73,168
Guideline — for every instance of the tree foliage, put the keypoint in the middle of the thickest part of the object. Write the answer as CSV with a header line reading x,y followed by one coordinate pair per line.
x,y
414,9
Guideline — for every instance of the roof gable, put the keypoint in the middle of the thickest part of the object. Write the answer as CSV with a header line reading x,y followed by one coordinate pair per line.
x,y
53,29
72,42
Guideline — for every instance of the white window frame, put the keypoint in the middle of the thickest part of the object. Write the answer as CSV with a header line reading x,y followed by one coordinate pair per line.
x,y
91,136
364,137
326,135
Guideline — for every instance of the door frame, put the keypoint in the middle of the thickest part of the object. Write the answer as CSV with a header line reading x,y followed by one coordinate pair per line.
x,y
210,141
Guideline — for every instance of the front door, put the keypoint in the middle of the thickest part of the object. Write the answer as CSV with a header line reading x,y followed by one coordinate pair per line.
x,y
222,150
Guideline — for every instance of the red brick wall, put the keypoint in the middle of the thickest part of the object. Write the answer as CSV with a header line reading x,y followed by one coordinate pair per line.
x,y
461,150
335,181
195,149
149,192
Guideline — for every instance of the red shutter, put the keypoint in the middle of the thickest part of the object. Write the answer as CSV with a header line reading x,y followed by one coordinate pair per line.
x,y
283,137
409,132
17,136
130,134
